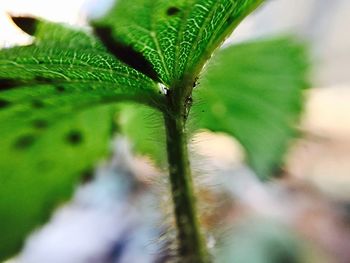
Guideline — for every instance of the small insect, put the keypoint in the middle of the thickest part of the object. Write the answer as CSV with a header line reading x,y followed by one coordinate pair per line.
x,y
163,89
188,105
195,82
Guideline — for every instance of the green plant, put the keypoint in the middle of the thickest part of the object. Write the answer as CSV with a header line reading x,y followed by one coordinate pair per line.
x,y
60,102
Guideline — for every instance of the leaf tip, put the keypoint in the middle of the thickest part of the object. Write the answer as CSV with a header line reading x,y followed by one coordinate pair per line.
x,y
26,24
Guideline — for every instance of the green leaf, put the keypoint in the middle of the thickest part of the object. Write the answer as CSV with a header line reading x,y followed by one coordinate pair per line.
x,y
56,107
254,92
176,37
40,169
71,57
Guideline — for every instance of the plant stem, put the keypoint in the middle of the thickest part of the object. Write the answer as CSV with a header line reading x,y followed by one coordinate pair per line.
x,y
191,245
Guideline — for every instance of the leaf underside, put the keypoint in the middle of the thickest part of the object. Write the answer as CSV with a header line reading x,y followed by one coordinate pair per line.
x,y
176,37
254,92
56,110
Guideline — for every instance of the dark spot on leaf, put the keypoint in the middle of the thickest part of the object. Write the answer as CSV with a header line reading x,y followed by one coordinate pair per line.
x,y
27,24
4,103
87,176
24,142
7,84
37,104
172,11
125,52
230,20
74,137
40,124
60,88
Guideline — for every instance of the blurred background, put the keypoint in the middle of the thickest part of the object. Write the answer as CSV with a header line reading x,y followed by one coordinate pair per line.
x,y
302,217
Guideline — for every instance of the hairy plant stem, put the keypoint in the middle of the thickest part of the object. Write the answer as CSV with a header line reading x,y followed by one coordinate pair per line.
x,y
191,244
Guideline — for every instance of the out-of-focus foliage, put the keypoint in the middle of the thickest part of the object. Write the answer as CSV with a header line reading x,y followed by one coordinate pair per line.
x,y
254,92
